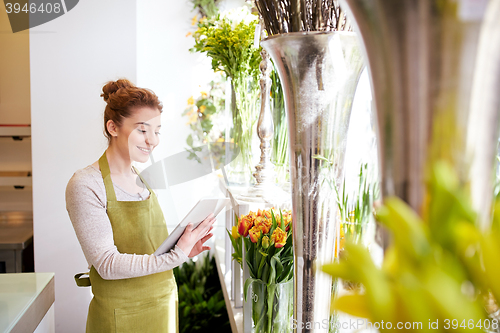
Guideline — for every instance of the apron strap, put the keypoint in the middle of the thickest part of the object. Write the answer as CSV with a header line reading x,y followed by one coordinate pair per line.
x,y
106,176
82,282
137,172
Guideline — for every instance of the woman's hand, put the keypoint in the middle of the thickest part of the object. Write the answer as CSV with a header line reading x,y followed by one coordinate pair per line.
x,y
199,247
192,241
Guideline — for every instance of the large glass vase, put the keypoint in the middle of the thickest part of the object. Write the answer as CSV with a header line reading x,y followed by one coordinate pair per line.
x,y
435,70
319,72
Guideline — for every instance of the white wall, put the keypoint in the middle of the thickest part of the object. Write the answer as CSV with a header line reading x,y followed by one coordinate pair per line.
x,y
71,58
165,65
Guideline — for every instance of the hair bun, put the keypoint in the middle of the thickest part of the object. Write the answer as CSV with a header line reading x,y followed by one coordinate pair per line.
x,y
113,86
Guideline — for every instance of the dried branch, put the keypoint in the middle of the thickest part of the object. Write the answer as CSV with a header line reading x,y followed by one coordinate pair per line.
x,y
283,16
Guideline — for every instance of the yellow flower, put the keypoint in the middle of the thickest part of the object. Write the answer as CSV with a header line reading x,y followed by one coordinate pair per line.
x,y
194,20
220,140
341,240
190,100
204,94
351,216
265,242
193,117
188,34
202,108
234,232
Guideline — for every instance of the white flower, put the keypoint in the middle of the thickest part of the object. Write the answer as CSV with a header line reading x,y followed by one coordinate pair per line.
x,y
238,15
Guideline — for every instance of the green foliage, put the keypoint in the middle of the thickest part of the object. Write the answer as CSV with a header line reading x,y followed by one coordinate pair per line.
x,y
201,302
279,156
207,8
229,45
237,243
439,267
356,215
202,113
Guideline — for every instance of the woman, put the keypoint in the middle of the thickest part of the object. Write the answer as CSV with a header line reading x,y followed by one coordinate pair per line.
x,y
119,224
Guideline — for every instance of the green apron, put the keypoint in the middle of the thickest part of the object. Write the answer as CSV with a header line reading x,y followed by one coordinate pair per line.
x,y
142,304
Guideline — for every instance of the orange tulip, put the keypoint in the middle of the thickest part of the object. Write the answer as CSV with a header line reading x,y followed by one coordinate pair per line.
x,y
263,224
254,234
244,225
279,237
251,216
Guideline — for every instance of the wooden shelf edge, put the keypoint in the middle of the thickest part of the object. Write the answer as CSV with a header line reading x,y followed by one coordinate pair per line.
x,y
235,314
15,130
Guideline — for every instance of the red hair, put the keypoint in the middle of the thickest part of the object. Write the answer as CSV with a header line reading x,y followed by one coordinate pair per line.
x,y
122,96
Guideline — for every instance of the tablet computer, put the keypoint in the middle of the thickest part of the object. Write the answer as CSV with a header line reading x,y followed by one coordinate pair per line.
x,y
198,214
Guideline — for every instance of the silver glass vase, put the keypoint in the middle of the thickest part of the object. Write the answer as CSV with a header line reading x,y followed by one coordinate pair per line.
x,y
435,77
319,72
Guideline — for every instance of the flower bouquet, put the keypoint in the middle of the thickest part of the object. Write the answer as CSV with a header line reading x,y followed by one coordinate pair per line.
x,y
269,257
228,39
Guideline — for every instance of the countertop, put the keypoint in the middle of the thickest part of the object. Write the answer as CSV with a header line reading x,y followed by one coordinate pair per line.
x,y
25,298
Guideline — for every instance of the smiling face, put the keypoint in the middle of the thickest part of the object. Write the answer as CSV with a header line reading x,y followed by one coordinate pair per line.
x,y
138,134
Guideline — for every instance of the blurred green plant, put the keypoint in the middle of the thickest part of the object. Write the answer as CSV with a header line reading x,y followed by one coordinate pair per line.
x,y
280,156
439,267
203,112
356,213
201,302
206,8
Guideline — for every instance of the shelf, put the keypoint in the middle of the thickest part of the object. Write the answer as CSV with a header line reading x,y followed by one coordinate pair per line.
x,y
15,178
15,200
15,130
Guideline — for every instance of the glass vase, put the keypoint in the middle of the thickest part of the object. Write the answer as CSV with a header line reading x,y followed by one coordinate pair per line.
x,y
272,307
319,72
244,115
280,156
435,77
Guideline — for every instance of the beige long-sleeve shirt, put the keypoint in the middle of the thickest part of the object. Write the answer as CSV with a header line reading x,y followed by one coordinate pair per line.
x,y
86,206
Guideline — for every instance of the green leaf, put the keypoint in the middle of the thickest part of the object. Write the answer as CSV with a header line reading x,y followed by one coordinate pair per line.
x,y
355,305
247,284
282,226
